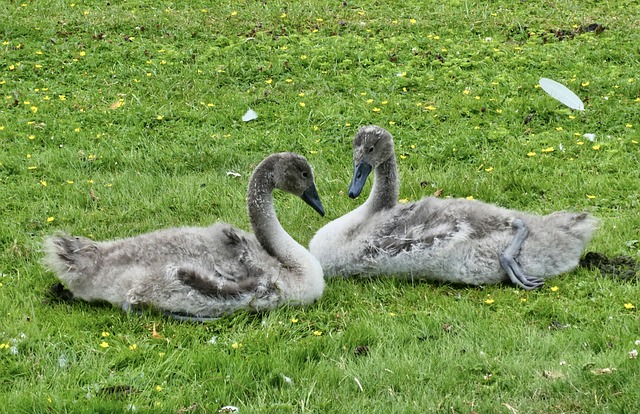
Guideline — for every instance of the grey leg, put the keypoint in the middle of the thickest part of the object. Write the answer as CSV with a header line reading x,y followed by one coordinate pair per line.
x,y
508,259
130,309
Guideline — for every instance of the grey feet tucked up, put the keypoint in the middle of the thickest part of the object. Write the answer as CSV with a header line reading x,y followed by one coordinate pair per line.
x,y
198,273
442,239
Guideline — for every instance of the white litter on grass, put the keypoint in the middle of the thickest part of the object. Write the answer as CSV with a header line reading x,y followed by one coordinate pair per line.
x,y
287,379
561,93
590,137
63,361
358,382
229,409
233,174
250,115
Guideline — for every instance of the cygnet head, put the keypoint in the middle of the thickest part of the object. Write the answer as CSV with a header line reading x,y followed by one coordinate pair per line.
x,y
292,173
372,146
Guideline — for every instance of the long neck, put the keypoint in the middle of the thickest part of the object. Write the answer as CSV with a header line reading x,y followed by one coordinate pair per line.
x,y
386,186
266,227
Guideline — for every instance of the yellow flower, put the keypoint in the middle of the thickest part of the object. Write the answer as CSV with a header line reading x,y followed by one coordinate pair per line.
x,y
133,347
105,334
103,344
376,109
590,197
317,333
234,13
236,345
629,306
83,53
531,154
50,219
283,15
470,197
596,147
550,149
489,301
413,21
558,128
554,288
403,200
302,104
489,169
158,388
294,320
430,108
629,126
585,83
466,91
268,81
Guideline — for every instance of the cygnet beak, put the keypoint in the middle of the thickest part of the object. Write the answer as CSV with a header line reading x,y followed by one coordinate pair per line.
x,y
360,174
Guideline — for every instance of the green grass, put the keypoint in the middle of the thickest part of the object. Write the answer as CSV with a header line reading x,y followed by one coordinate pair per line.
x,y
118,118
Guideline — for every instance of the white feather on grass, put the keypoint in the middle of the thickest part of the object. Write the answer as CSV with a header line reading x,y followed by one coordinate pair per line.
x,y
250,115
561,93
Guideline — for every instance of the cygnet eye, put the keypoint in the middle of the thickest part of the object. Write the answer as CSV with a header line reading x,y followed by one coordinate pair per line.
x,y
305,174
371,148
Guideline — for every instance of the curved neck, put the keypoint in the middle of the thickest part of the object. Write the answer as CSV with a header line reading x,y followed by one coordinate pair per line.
x,y
386,186
266,227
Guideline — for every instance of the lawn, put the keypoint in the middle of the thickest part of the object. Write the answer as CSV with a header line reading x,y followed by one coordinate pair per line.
x,y
118,118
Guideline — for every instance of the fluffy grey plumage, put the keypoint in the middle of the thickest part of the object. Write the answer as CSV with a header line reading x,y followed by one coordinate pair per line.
x,y
451,240
202,271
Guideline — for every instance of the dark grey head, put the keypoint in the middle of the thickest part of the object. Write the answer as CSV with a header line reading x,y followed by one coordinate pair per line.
x,y
292,173
372,146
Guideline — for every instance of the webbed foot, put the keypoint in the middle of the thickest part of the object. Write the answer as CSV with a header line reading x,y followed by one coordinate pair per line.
x,y
509,263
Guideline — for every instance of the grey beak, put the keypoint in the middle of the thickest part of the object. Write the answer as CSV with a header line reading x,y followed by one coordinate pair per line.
x,y
310,196
360,174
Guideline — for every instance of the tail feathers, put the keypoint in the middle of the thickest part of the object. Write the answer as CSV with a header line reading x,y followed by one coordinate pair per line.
x,y
66,254
579,225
